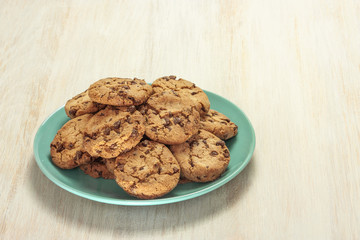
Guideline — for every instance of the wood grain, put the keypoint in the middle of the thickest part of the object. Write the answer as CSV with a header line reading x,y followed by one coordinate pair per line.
x,y
292,66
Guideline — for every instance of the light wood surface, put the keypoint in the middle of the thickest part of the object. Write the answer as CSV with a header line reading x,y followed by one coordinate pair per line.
x,y
292,66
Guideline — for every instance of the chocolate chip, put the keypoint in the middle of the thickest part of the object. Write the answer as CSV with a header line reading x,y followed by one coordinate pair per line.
x,y
170,114
131,109
206,144
107,131
71,145
126,87
128,119
220,143
145,143
142,156
194,143
172,77
72,112
141,168
193,93
214,113
226,153
117,124
121,167
102,114
235,128
177,120
175,169
214,153
147,151
78,154
134,132
113,146
159,170
133,82
167,121
59,147
154,129
142,83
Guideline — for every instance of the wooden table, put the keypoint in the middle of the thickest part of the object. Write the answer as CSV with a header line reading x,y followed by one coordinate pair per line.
x,y
292,66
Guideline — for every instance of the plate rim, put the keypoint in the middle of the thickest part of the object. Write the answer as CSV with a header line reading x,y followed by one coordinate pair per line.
x,y
141,202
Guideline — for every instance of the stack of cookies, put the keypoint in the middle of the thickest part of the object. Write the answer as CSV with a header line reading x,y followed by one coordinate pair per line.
x,y
149,138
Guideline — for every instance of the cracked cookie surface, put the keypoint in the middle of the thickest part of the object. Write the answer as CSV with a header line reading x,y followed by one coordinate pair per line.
x,y
120,91
66,149
148,171
97,169
170,119
202,158
81,104
218,124
113,131
186,89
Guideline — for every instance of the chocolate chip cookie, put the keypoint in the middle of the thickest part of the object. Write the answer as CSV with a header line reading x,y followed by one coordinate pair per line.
x,y
97,168
218,124
147,171
110,164
170,118
202,158
113,131
81,104
67,149
120,91
186,89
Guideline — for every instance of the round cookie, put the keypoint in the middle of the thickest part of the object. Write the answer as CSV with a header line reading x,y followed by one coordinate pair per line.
x,y
66,149
170,119
202,158
120,91
97,169
186,89
218,124
81,104
110,164
148,171
113,131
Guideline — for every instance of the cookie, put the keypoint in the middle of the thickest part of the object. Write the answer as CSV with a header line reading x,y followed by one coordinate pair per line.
x,y
110,164
81,104
113,131
97,169
148,171
169,118
218,124
186,89
120,91
202,158
183,179
66,149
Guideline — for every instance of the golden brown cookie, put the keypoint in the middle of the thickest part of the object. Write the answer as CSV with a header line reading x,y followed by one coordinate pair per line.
x,y
120,91
97,169
170,118
186,89
66,149
113,131
81,104
202,158
110,164
147,171
218,124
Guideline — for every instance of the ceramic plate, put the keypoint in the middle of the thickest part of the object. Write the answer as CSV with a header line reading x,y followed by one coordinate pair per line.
x,y
107,191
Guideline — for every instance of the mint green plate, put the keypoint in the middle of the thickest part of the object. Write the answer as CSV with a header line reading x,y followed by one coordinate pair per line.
x,y
107,191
